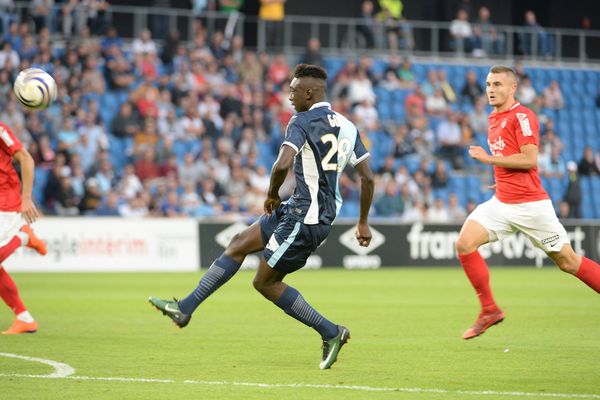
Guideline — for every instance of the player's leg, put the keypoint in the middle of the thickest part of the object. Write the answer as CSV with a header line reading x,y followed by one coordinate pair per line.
x,y
288,248
24,322
583,268
221,270
546,232
484,225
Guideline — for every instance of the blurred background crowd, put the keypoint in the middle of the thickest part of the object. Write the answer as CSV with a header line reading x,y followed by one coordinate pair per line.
x,y
166,127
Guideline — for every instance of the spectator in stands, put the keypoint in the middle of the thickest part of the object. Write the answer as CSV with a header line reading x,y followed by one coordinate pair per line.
x,y
440,177
461,33
487,41
134,208
563,210
553,98
313,53
397,28
431,84
436,104
526,93
67,203
472,90
438,212
125,124
9,58
478,117
367,23
553,166
456,213
414,104
450,138
416,213
389,204
272,12
41,12
146,168
573,195
422,137
92,198
361,89
587,165
144,44
550,139
445,86
545,45
402,142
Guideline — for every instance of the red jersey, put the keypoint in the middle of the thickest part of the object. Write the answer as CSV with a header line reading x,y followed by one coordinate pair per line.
x,y
10,187
509,131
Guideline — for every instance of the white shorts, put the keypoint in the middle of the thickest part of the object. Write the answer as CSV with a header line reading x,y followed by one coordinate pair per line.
x,y
10,223
536,219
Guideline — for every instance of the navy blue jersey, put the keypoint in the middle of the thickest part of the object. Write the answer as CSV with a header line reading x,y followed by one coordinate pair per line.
x,y
325,141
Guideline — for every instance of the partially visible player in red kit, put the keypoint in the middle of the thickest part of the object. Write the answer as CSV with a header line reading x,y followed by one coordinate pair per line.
x,y
17,211
520,202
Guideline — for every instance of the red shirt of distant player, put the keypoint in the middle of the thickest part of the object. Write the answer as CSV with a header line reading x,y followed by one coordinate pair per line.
x,y
10,187
509,131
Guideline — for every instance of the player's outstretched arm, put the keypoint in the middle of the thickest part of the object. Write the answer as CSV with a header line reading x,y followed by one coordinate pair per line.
x,y
526,159
28,209
367,185
278,173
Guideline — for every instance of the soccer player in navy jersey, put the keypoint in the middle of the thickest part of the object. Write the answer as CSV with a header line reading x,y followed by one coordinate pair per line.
x,y
319,143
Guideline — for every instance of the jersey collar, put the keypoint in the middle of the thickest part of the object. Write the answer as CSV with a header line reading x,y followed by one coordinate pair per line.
x,y
321,104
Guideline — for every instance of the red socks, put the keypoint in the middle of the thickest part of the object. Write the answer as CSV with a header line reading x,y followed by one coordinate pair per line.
x,y
9,248
477,271
589,273
9,293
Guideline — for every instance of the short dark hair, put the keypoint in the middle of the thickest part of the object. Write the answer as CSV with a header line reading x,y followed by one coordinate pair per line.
x,y
311,71
498,69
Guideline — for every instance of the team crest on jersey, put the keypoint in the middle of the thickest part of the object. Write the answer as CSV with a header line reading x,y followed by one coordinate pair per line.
x,y
524,122
503,124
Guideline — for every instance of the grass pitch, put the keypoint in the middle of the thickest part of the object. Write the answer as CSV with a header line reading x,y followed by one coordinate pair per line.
x,y
406,326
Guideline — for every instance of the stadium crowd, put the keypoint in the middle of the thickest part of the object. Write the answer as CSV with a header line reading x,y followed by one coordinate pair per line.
x,y
192,128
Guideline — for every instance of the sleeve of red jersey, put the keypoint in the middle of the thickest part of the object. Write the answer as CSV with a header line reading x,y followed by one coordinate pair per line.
x,y
8,141
527,128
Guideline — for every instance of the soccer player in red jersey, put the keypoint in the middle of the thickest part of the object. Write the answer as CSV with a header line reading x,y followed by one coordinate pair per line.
x,y
17,211
520,202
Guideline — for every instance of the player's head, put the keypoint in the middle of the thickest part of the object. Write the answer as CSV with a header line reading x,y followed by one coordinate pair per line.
x,y
501,85
308,87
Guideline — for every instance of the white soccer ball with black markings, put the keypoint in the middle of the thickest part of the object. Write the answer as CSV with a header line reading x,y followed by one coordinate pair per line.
x,y
35,89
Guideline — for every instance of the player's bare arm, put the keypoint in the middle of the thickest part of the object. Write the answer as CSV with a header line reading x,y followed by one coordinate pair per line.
x,y
363,232
28,209
284,161
526,159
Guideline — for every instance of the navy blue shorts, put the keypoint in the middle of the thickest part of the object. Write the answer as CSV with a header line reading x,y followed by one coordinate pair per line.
x,y
288,241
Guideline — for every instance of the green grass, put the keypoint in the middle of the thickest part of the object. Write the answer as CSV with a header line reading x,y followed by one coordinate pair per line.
x,y
406,326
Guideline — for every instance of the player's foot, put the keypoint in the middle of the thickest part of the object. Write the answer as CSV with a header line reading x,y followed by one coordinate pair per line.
x,y
35,243
170,308
19,326
486,319
332,347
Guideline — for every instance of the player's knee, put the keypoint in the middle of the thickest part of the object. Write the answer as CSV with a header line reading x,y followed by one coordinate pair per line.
x,y
568,263
261,286
465,246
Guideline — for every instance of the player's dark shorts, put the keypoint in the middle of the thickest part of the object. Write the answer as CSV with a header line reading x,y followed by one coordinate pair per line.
x,y
288,241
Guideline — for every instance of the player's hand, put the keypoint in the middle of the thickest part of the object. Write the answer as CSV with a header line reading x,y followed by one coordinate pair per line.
x,y
363,234
479,154
271,204
29,211
492,187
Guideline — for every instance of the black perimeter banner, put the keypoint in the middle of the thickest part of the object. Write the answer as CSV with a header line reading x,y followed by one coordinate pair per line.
x,y
398,246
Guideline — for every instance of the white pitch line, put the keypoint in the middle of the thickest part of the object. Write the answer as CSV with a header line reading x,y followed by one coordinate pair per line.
x,y
64,371
61,370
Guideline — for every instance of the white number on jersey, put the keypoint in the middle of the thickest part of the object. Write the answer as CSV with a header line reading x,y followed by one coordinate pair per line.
x,y
333,121
342,148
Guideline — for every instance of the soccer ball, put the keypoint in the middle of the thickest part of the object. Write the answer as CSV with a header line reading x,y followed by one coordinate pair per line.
x,y
35,89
